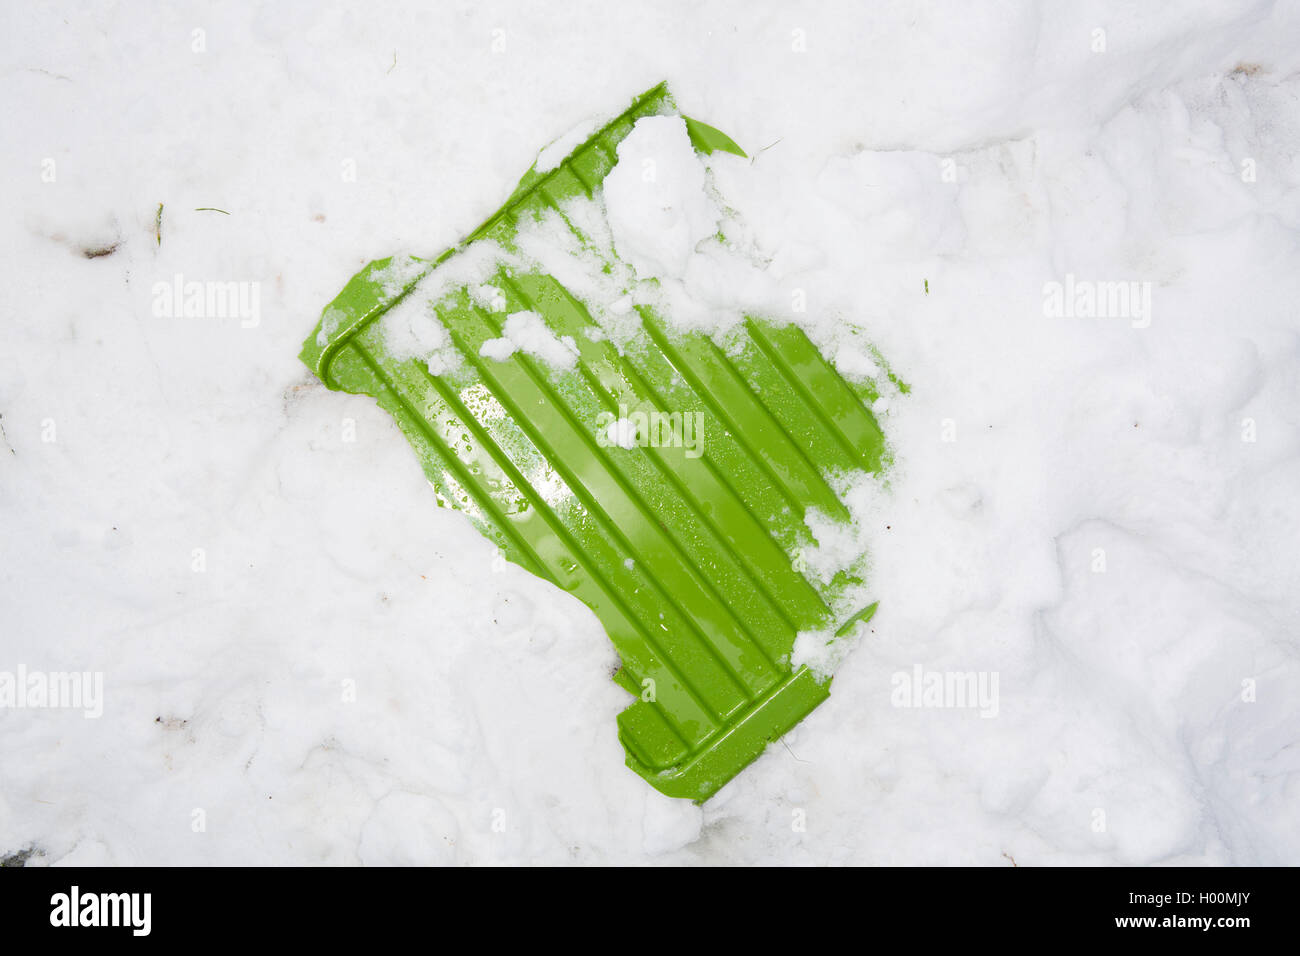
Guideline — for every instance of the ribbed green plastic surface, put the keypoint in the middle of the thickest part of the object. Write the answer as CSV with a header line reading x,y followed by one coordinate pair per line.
x,y
688,552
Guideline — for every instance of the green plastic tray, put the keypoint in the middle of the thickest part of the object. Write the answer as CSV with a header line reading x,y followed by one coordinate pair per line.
x,y
690,557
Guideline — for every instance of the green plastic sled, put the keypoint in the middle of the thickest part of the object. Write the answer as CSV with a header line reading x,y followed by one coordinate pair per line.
x,y
687,548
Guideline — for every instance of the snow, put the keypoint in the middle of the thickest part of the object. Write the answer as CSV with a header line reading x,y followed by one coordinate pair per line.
x,y
551,156
306,661
411,327
622,433
655,199
821,652
527,332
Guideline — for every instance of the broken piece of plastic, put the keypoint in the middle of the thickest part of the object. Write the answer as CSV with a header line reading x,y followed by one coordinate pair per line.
x,y
665,484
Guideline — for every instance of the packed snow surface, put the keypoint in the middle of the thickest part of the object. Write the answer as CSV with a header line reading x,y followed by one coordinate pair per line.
x,y
657,206
1071,228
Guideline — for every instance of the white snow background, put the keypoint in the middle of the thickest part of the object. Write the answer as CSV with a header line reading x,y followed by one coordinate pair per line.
x,y
1148,712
